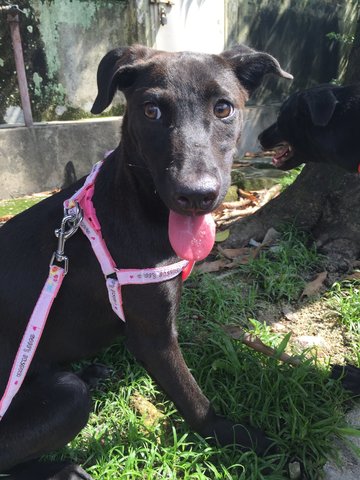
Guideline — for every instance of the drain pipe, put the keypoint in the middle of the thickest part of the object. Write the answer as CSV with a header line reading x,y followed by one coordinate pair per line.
x,y
13,20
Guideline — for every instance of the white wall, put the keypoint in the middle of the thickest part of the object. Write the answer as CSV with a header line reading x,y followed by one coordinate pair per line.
x,y
196,25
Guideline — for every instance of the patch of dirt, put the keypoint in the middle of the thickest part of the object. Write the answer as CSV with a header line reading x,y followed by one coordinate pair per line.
x,y
312,325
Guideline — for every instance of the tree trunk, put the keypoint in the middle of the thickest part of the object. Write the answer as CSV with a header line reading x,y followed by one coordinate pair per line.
x,y
323,201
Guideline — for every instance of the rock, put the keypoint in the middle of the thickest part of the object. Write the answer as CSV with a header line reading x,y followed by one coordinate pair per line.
x,y
308,341
289,313
294,471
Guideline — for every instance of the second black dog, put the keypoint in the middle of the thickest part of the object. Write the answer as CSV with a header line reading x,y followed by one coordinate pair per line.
x,y
321,124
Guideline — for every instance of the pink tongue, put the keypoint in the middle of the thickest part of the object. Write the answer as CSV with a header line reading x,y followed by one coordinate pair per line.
x,y
192,238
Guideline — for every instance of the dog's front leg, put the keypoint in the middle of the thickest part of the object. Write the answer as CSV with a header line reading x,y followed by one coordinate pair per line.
x,y
152,338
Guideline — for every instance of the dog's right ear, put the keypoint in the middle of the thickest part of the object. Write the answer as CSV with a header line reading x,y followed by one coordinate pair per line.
x,y
116,72
321,105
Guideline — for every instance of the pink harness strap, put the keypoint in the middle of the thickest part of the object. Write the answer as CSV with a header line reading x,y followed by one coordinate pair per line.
x,y
114,277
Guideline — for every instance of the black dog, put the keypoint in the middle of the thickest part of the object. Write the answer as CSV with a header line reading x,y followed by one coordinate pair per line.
x,y
321,124
179,134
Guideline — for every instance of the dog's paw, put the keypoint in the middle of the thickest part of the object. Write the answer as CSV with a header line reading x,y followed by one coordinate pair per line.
x,y
71,472
37,470
94,374
349,377
244,436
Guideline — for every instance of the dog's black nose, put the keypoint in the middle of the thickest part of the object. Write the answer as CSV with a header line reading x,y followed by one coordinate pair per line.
x,y
199,198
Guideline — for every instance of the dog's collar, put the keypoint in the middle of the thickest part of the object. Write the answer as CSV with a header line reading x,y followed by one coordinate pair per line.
x,y
359,168
114,276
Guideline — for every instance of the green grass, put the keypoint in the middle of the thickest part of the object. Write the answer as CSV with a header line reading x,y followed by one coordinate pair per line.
x,y
344,299
300,408
291,176
16,205
282,272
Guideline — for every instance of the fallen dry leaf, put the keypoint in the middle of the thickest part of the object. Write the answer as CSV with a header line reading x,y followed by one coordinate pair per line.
x,y
242,260
353,276
232,253
314,286
249,195
237,213
214,266
5,218
271,237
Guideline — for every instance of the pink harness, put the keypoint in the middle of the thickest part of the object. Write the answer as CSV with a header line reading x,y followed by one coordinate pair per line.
x,y
79,211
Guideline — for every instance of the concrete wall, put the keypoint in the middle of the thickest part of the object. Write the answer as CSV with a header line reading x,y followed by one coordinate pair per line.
x,y
34,159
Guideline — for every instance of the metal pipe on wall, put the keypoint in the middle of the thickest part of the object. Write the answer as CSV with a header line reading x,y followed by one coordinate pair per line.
x,y
13,20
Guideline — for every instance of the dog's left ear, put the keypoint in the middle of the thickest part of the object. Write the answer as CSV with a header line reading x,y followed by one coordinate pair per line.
x,y
117,71
250,66
321,105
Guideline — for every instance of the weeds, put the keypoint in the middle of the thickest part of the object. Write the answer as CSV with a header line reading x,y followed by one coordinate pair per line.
x,y
17,205
344,298
291,176
282,272
300,408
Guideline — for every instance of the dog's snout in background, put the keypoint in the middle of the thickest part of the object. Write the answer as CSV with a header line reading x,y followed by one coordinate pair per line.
x,y
318,125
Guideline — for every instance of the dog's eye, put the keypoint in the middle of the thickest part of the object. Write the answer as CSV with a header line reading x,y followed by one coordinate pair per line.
x,y
223,109
151,111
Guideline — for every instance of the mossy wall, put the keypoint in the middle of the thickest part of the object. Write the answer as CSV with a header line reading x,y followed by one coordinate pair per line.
x,y
63,42
295,32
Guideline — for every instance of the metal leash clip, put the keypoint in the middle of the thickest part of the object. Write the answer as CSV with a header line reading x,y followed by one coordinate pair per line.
x,y
69,225
11,8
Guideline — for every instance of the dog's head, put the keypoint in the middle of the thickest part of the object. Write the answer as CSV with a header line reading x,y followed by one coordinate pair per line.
x,y
183,117
182,123
307,130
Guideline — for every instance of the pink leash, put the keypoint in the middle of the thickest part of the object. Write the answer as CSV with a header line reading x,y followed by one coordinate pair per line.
x,y
79,211
32,336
